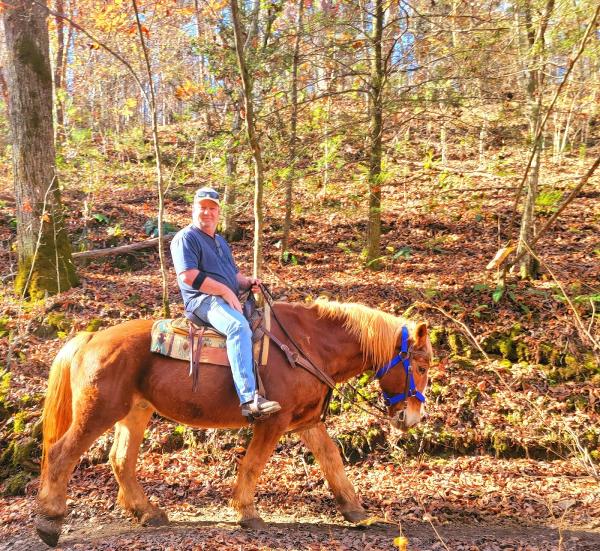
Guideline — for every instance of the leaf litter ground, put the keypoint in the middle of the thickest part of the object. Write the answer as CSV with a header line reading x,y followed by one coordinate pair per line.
x,y
474,502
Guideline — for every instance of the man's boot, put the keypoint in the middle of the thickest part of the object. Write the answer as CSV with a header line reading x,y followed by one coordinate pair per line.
x,y
259,407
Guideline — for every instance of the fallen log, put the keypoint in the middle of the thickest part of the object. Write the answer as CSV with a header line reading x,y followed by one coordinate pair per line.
x,y
123,249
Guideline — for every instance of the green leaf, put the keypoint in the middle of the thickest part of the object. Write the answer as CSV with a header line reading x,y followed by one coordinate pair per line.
x,y
587,298
102,218
404,252
288,257
497,295
481,287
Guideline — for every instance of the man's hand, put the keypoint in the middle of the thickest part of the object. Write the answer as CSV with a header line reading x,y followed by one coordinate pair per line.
x,y
248,283
253,284
230,298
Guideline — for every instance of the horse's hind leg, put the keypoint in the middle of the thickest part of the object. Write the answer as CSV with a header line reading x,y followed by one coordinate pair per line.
x,y
327,454
91,418
129,433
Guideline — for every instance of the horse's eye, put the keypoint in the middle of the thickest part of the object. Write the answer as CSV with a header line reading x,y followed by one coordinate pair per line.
x,y
422,370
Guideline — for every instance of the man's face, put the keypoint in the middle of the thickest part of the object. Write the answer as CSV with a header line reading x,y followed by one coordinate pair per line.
x,y
206,215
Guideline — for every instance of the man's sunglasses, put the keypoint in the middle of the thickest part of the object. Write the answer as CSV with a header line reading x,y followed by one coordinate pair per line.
x,y
205,194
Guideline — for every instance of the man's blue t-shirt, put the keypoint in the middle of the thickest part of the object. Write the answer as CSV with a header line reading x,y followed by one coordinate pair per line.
x,y
191,248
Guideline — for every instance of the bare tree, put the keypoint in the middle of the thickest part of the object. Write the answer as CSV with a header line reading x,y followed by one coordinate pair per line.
x,y
287,222
376,135
253,138
535,80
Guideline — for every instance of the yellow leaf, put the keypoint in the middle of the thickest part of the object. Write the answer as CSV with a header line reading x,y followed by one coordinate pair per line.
x,y
500,257
373,520
401,542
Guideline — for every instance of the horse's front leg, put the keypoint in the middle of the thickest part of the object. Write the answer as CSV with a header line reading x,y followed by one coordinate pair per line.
x,y
328,455
265,438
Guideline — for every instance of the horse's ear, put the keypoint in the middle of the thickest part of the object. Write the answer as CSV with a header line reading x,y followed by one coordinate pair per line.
x,y
421,335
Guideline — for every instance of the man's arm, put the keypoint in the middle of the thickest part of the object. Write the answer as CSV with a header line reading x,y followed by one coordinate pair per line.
x,y
211,286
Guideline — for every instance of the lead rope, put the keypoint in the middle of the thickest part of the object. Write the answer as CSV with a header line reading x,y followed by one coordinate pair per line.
x,y
270,300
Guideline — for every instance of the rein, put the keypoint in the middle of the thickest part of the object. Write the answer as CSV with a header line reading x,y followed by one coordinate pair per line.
x,y
303,361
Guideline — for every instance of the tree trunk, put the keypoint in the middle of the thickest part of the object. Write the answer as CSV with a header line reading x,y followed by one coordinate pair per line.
x,y
159,175
287,222
230,227
376,131
252,139
529,267
443,135
45,264
58,73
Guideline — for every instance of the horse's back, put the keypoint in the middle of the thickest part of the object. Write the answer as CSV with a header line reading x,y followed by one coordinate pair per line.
x,y
127,337
114,356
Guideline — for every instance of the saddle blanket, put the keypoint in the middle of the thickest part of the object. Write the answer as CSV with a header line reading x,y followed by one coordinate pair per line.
x,y
171,337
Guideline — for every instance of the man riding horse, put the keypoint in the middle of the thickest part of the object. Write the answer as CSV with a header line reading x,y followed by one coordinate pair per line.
x,y
210,281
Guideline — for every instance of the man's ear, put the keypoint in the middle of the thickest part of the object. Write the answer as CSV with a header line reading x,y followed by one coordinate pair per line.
x,y
421,334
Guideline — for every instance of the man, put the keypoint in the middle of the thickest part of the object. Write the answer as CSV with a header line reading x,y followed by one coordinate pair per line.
x,y
210,281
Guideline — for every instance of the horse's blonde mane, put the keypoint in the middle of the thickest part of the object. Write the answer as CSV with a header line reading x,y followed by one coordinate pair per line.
x,y
377,332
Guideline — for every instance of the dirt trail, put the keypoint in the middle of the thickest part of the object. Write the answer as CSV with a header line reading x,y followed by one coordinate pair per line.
x,y
217,530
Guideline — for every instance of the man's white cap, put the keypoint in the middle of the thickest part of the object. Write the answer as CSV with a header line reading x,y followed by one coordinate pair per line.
x,y
207,194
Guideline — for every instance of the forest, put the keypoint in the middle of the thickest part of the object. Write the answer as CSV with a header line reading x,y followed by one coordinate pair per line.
x,y
431,159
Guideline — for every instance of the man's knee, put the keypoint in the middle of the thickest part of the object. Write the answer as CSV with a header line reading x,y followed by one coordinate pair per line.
x,y
239,328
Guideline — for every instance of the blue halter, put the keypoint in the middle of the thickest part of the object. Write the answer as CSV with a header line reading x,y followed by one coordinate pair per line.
x,y
404,357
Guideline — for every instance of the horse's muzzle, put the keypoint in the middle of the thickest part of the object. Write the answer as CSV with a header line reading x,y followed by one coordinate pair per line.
x,y
407,418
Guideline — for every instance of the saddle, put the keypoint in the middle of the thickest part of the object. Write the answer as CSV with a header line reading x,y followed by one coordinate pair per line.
x,y
189,338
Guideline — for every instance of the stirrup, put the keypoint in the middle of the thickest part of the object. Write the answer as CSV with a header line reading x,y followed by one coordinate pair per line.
x,y
259,408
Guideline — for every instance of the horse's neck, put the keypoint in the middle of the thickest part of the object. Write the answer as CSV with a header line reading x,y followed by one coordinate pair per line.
x,y
324,341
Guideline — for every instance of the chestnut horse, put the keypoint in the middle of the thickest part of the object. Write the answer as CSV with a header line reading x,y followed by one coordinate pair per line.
x,y
110,378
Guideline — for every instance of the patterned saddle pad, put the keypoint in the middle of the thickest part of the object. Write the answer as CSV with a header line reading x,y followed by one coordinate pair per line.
x,y
171,337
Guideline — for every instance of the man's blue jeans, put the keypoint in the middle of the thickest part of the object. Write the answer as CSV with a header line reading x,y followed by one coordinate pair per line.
x,y
214,310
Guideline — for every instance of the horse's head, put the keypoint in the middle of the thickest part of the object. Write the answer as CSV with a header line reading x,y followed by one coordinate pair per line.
x,y
403,380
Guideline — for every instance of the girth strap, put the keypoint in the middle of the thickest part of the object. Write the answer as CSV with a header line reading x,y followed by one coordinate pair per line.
x,y
196,334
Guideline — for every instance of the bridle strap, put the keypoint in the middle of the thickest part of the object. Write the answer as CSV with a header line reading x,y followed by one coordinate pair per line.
x,y
411,388
401,357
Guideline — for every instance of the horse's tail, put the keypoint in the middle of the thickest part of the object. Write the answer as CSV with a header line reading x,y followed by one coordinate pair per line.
x,y
57,414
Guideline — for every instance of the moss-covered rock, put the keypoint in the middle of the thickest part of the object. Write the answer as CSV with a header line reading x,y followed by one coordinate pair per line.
x,y
459,345
5,406
569,367
16,484
19,422
94,325
20,455
357,444
437,336
53,325
507,344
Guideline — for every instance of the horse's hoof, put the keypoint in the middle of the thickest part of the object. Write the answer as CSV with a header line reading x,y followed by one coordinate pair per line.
x,y
48,530
154,518
355,516
256,523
